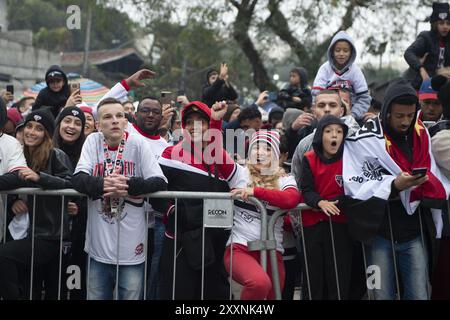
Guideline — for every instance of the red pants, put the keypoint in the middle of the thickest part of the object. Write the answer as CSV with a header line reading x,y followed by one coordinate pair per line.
x,y
248,272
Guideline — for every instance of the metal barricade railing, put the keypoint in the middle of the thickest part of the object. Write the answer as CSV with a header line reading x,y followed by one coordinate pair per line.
x,y
266,243
165,194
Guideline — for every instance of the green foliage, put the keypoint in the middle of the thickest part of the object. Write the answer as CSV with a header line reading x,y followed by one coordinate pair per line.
x,y
183,55
34,15
47,19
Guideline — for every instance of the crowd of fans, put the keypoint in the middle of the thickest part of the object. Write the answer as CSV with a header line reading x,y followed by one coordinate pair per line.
x,y
375,175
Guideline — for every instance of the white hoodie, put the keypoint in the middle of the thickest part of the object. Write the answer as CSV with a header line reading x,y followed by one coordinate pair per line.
x,y
350,77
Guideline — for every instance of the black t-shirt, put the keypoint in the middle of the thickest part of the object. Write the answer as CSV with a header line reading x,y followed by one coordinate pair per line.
x,y
405,227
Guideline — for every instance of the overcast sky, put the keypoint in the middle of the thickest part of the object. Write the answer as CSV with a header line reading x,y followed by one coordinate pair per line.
x,y
395,60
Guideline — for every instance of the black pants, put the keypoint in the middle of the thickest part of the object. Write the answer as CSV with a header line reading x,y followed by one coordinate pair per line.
x,y
15,264
321,267
292,268
188,280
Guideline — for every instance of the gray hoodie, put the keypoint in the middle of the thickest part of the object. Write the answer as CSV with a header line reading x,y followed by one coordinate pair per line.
x,y
350,76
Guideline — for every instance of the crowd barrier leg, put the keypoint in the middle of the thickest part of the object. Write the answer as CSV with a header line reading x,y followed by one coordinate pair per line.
x,y
32,247
116,287
369,293
302,232
175,250
273,253
424,249
230,277
394,256
144,296
338,288
203,263
5,216
61,246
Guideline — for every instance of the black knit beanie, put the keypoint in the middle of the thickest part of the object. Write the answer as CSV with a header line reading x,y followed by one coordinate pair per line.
x,y
71,111
44,117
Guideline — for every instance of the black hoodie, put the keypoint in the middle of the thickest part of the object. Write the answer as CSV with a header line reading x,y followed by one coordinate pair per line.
x,y
308,183
289,91
217,91
399,88
317,140
49,98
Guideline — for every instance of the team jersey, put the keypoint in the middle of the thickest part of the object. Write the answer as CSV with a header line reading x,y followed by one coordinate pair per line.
x,y
247,218
104,236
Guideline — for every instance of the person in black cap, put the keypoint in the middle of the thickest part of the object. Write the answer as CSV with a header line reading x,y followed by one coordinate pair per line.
x,y
218,87
431,50
56,93
48,168
69,136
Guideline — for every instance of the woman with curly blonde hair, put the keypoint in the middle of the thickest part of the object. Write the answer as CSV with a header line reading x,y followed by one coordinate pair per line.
x,y
262,178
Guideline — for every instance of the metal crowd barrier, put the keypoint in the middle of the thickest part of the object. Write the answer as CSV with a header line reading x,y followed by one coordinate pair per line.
x,y
166,194
266,243
271,246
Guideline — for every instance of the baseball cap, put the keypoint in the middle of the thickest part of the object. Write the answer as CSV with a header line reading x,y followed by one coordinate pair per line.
x,y
426,92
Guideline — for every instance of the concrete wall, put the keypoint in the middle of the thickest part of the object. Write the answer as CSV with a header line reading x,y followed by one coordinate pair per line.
x,y
24,63
3,15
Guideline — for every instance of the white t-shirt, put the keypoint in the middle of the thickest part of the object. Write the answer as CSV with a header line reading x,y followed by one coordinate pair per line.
x,y
103,233
158,145
247,220
11,159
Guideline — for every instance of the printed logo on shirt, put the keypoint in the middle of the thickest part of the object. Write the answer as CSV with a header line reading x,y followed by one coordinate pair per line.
x,y
246,216
139,249
111,217
340,84
373,170
127,168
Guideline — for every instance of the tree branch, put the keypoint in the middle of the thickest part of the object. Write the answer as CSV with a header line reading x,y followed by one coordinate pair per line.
x,y
240,34
346,22
279,25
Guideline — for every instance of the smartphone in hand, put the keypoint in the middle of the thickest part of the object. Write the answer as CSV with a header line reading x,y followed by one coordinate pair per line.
x,y
74,86
10,89
166,97
421,171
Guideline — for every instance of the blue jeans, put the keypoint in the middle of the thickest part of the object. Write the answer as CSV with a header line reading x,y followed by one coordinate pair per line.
x,y
102,281
153,279
412,266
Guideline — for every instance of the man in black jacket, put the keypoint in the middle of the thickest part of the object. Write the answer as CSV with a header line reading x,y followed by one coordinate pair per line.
x,y
296,94
218,87
431,50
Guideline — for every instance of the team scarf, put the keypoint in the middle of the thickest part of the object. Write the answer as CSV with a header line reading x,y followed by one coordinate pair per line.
x,y
111,205
372,161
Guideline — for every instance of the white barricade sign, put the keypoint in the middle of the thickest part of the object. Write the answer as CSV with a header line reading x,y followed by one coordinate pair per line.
x,y
218,213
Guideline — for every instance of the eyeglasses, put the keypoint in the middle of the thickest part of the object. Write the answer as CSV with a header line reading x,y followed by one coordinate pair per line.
x,y
147,111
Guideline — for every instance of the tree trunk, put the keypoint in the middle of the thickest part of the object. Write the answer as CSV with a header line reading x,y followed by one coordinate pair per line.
x,y
311,59
240,34
87,43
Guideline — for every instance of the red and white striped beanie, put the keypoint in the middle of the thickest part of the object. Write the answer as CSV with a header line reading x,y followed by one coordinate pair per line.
x,y
270,137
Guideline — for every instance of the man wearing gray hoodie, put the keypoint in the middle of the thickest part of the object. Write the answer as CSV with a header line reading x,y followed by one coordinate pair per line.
x,y
341,71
